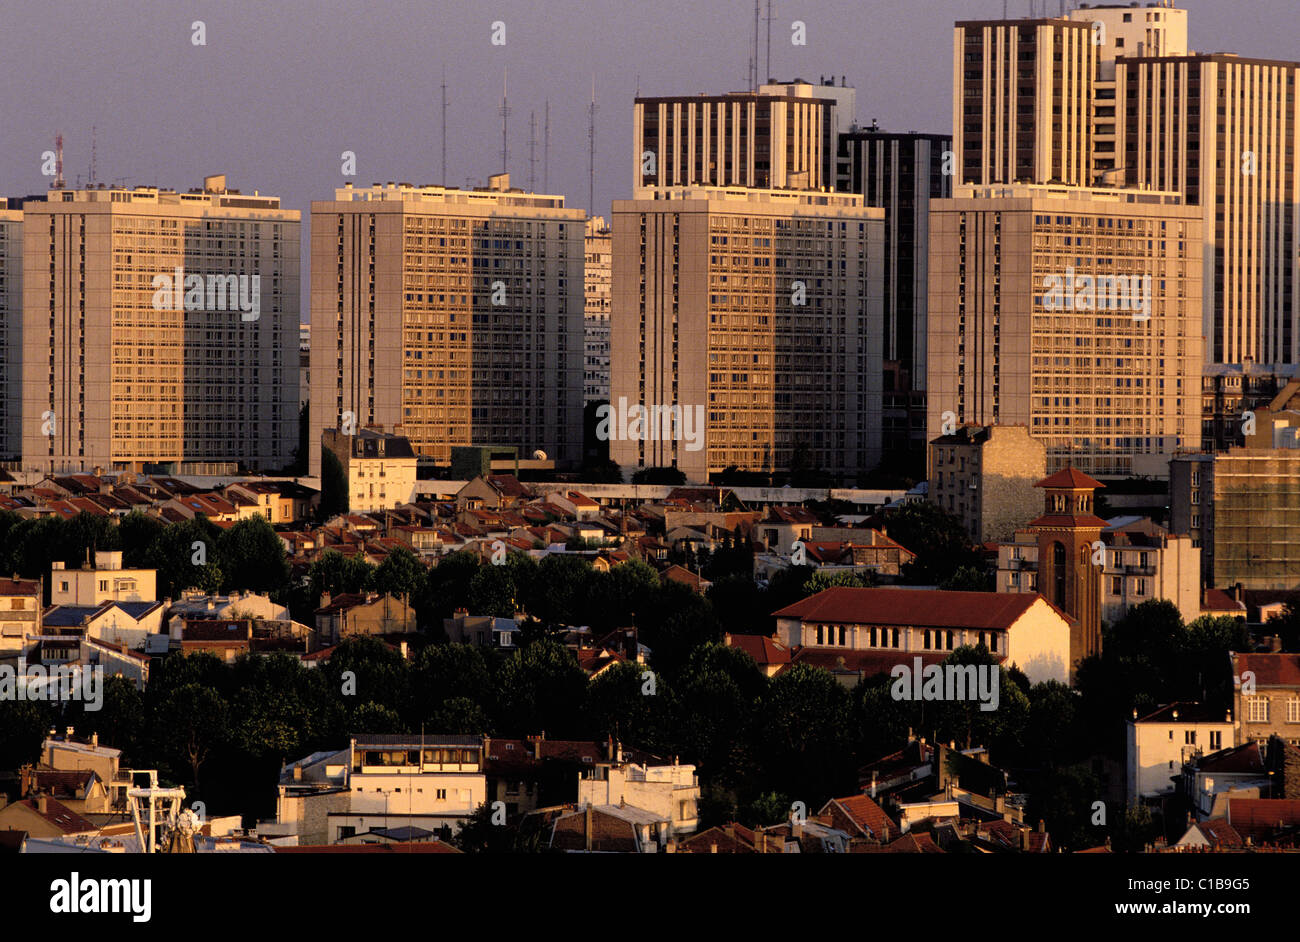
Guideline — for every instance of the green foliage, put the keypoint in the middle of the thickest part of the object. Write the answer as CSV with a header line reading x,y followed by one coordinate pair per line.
x,y
252,557
401,574
492,591
541,688
969,579
658,476
938,539
334,486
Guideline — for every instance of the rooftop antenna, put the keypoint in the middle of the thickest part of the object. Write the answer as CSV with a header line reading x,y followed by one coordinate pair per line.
x,y
768,69
92,155
58,160
755,59
532,152
546,148
591,151
444,125
505,120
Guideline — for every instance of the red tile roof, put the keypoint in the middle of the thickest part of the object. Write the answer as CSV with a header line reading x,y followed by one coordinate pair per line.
x,y
1069,477
926,607
1270,670
59,815
1216,600
860,814
1220,833
762,649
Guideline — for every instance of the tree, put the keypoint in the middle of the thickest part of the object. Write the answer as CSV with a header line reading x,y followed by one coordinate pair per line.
x,y
333,484
192,722
179,553
335,573
627,702
447,586
492,592
559,590
658,476
822,579
969,579
445,672
482,835
715,700
252,557
400,574
541,688
804,716
937,538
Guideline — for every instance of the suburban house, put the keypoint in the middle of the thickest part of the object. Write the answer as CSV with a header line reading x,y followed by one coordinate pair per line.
x,y
1163,741
361,614
1266,696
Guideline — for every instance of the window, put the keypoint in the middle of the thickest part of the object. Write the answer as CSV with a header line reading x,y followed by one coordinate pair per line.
x,y
1257,709
1293,710
441,794
1189,737
1216,740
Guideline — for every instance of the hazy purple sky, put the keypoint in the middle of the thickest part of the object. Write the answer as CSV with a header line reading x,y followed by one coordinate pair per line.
x,y
281,90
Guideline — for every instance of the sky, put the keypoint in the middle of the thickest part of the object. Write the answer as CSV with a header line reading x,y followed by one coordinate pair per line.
x,y
279,91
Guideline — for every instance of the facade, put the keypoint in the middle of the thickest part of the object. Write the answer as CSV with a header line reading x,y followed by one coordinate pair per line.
x,y
598,265
1266,696
158,327
891,626
1022,101
671,792
106,581
1074,312
1228,392
900,173
11,340
1223,131
452,317
380,467
1241,507
357,614
1162,742
20,616
781,136
986,476
433,782
757,312
1142,561
1121,29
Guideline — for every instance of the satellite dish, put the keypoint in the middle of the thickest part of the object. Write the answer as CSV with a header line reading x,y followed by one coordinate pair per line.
x,y
539,455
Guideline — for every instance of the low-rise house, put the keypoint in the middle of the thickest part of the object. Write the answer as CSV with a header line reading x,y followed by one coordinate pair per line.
x,y
733,838
1163,741
875,629
44,816
610,829
669,791
81,791
481,630
380,467
106,581
1214,835
1209,781
433,782
1266,696
361,614
769,654
20,616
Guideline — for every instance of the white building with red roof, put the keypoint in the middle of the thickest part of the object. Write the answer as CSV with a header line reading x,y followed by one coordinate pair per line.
x,y
858,633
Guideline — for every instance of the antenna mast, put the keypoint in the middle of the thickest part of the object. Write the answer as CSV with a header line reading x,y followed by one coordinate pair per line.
x,y
444,125
768,71
755,60
591,151
92,154
58,160
505,121
532,152
546,148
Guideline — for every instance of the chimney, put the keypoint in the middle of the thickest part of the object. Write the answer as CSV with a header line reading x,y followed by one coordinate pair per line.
x,y
94,740
43,804
67,733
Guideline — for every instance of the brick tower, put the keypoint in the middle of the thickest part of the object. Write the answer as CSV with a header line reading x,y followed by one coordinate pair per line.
x,y
1067,577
